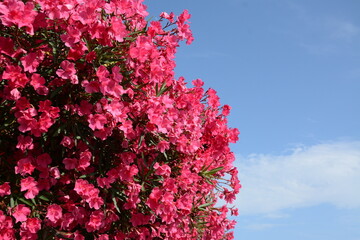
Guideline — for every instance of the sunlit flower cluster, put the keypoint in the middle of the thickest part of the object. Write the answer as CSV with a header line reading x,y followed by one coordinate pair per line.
x,y
98,140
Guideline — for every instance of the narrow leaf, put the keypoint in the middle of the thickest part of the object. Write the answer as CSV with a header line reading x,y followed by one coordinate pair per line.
x,y
205,205
213,171
27,202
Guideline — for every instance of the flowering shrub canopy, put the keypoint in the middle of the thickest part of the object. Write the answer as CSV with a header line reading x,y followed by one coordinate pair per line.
x,y
98,140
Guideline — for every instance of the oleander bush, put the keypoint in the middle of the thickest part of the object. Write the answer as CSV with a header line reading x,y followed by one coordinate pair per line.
x,y
98,140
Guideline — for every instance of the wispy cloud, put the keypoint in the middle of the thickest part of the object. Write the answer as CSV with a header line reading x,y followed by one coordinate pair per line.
x,y
323,173
261,226
323,33
207,54
329,36
343,29
325,24
274,215
319,49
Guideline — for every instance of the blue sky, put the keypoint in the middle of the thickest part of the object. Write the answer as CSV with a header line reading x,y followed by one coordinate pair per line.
x,y
290,69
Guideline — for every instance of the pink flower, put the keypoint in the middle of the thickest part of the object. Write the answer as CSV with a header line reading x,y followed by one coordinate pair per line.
x,y
139,219
85,108
70,163
163,146
116,74
67,142
84,160
97,121
126,173
30,185
15,76
42,125
55,173
116,109
155,28
14,94
25,119
104,182
32,61
163,170
38,84
95,201
43,160
103,237
71,37
78,236
229,195
142,49
96,221
184,29
5,189
33,225
22,103
233,135
24,166
226,110
134,111
133,195
68,70
75,53
198,83
68,221
91,56
234,212
7,46
185,203
167,16
54,213
24,142
118,29
184,16
81,186
213,99
153,200
102,73
20,212
88,192
90,87
6,227
45,107
17,13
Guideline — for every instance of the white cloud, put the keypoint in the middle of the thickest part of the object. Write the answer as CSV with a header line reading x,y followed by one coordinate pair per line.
x,y
276,215
261,226
323,173
343,29
319,48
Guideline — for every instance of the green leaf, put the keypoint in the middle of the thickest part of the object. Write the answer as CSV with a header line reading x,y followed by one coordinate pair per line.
x,y
205,205
42,197
204,169
115,203
166,156
208,181
157,89
12,202
27,202
213,171
141,140
163,89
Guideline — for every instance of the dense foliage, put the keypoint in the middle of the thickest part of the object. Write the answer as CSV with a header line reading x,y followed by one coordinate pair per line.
x,y
98,140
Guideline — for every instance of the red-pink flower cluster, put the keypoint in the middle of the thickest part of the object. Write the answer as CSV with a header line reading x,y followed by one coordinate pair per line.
x,y
98,140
